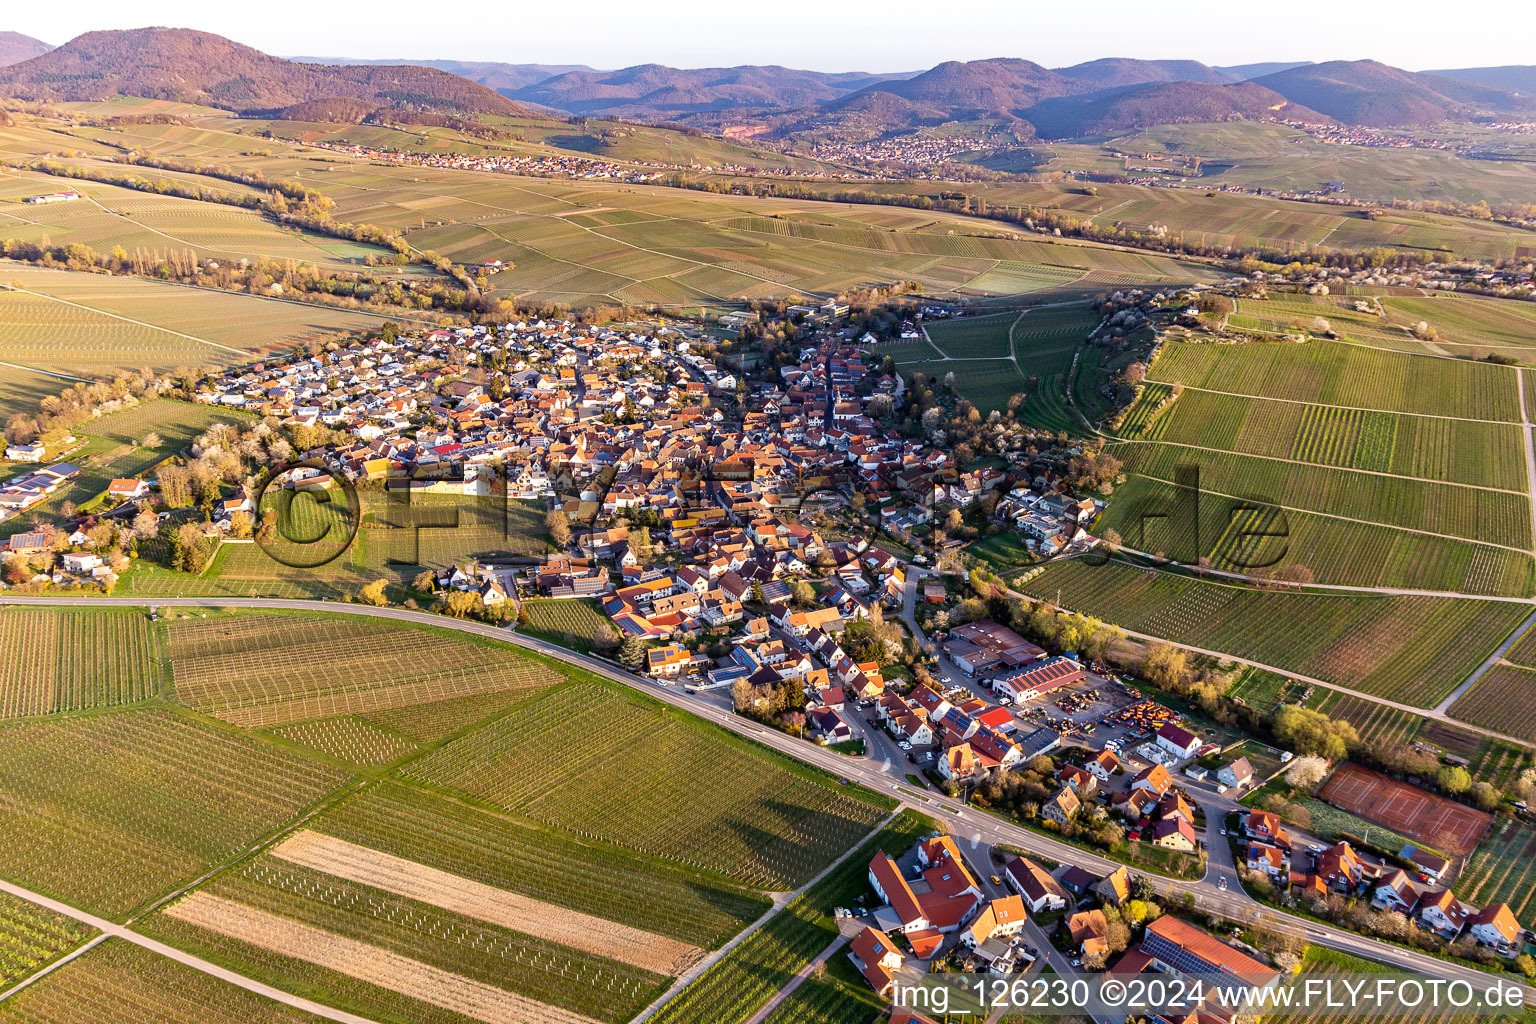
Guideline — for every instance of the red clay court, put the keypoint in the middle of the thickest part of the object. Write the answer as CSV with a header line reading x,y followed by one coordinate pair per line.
x,y
1452,828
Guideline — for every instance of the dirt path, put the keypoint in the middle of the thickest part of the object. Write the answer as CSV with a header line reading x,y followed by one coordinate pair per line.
x,y
795,982
110,930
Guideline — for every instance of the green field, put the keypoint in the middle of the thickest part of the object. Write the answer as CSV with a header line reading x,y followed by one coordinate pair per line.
x,y
979,337
93,325
1377,724
31,936
746,978
168,798
1412,649
57,659
1240,535
682,791
125,984
1502,869
1334,373
258,669
565,621
1501,701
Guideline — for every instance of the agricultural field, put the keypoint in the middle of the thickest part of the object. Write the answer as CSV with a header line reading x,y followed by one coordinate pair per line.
x,y
1265,690
354,740
1501,701
980,337
1238,534
1524,650
21,389
126,984
1457,511
654,782
93,325
566,621
835,993
1377,724
1333,373
1414,649
255,669
1454,451
1318,961
32,936
57,659
170,797
1502,869
742,982
1469,325
987,384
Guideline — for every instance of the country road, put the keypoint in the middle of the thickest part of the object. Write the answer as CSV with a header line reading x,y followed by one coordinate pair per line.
x,y
964,822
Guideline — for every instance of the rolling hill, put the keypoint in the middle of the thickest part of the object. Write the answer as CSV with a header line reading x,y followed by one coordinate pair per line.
x,y
1366,92
15,48
1116,72
654,90
1162,103
1519,77
199,67
504,78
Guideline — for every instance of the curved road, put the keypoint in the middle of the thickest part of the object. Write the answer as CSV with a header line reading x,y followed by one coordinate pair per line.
x,y
963,821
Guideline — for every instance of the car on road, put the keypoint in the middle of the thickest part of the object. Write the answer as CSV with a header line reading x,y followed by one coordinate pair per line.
x,y
1223,831
1314,848
1221,883
996,880
1077,962
904,745
945,679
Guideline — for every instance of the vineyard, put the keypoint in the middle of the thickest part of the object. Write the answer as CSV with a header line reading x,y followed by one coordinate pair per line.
x,y
167,798
1330,373
566,621
834,994
1501,701
125,984
1498,517
741,982
348,739
67,659
1377,724
428,723
1410,648
257,670
1450,450
976,337
441,967
1503,869
1242,535
608,765
600,881
31,936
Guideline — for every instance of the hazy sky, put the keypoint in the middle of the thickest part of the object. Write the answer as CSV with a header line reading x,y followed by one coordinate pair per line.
x,y
836,35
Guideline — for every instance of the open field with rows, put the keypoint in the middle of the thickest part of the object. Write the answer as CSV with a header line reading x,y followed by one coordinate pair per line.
x,y
349,739
428,723
1318,962
125,984
973,337
1501,701
743,981
566,621
113,215
1498,517
653,782
1412,649
1262,689
1524,651
584,242
169,797
21,389
1503,869
1240,535
1469,325
263,670
383,955
985,383
835,993
31,936
67,659
599,880
65,325
1376,723
1331,373
1497,762
1456,451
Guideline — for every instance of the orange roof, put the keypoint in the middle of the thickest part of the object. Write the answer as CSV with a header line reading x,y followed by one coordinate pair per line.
x,y
896,889
926,942
1206,946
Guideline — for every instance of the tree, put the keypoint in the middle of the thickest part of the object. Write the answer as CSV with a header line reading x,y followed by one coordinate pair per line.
x,y
1484,795
633,654
373,593
802,593
1306,772
1312,732
239,524
559,525
266,526
605,639
1454,779
425,581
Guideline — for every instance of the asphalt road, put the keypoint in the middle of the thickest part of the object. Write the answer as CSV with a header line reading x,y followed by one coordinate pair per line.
x,y
965,823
